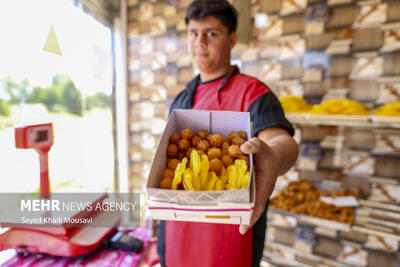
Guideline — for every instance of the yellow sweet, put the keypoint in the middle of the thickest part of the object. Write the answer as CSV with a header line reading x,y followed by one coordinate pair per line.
x,y
241,168
224,176
212,179
219,185
294,104
187,180
341,107
246,180
389,109
232,177
178,174
205,165
195,166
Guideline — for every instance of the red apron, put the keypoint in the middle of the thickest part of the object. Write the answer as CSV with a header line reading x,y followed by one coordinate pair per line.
x,y
206,245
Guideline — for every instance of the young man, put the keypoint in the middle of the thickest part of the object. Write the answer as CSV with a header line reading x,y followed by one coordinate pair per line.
x,y
220,86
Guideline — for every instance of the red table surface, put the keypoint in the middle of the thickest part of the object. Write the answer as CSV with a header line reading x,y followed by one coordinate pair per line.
x,y
104,257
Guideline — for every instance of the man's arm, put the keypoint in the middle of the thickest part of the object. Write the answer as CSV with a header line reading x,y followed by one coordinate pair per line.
x,y
275,152
282,144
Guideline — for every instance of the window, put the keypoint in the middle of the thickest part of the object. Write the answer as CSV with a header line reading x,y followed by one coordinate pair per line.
x,y
72,90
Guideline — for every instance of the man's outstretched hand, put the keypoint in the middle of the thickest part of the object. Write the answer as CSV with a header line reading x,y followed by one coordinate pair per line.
x,y
266,163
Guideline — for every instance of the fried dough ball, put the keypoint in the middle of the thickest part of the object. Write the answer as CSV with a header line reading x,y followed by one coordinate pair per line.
x,y
225,147
224,139
216,166
227,160
234,151
214,153
166,183
187,134
245,158
181,155
203,145
216,140
168,174
172,163
232,134
209,137
174,139
242,134
236,140
195,141
172,150
202,133
183,145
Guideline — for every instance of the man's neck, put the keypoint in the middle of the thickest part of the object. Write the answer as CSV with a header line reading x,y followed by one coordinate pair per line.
x,y
205,77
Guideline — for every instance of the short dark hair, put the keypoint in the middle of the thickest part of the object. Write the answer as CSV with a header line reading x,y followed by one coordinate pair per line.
x,y
220,9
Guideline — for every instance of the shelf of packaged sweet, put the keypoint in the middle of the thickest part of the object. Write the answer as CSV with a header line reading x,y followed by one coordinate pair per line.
x,y
344,120
377,213
289,239
377,221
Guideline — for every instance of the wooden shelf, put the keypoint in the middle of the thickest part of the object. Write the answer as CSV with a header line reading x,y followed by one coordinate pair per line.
x,y
368,121
313,257
367,207
313,220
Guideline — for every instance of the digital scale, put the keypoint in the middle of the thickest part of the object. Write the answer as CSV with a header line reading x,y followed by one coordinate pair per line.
x,y
65,240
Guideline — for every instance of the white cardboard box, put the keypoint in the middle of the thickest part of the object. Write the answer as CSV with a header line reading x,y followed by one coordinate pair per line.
x,y
225,206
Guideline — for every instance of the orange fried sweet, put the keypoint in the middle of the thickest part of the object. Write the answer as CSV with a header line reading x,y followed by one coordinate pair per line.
x,y
225,147
235,151
172,163
203,145
224,139
303,197
168,174
216,140
187,134
214,153
216,165
183,145
202,133
195,141
166,183
174,139
181,155
236,140
172,150
227,160
242,134
232,134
